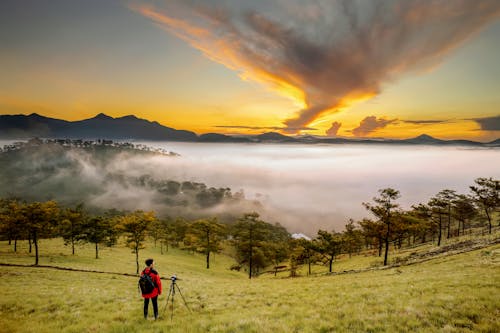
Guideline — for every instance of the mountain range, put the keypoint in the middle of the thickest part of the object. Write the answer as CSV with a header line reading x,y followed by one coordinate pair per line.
x,y
133,128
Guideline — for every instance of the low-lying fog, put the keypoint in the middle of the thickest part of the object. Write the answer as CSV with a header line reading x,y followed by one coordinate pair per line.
x,y
306,187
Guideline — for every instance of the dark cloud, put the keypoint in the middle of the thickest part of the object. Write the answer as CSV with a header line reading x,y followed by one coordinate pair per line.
x,y
489,123
371,124
327,54
333,130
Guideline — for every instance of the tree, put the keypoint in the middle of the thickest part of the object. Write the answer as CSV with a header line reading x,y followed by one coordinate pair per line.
x,y
98,230
352,238
303,251
373,231
71,226
382,210
438,208
156,231
207,235
250,235
177,231
277,246
447,196
41,219
136,226
405,224
330,245
423,214
12,220
278,252
463,211
164,229
486,194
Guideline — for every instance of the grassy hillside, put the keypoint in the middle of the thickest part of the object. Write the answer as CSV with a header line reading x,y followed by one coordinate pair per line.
x,y
458,293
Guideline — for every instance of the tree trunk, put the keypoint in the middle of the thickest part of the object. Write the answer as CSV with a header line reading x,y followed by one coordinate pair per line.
x,y
331,264
208,249
72,246
250,266
137,259
489,219
386,254
35,241
97,250
251,255
380,247
15,244
29,241
449,221
440,229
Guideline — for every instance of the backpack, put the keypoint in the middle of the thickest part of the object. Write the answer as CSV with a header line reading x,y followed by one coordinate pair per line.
x,y
146,283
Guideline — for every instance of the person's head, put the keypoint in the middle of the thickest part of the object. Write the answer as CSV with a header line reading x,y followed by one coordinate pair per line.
x,y
149,262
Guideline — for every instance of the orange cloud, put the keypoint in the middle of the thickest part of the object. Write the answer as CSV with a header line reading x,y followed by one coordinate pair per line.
x,y
371,124
327,55
334,129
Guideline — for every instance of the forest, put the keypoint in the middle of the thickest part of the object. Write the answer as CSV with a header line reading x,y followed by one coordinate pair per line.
x,y
105,175
256,245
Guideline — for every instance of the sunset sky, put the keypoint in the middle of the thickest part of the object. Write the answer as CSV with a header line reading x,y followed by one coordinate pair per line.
x,y
393,69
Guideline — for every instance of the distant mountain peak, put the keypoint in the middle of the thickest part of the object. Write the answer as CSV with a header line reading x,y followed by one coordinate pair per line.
x,y
129,117
425,136
102,116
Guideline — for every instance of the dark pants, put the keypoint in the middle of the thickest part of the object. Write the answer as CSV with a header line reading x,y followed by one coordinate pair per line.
x,y
154,300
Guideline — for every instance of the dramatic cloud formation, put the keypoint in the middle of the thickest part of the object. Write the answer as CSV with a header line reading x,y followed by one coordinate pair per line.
x,y
325,54
489,123
371,124
332,131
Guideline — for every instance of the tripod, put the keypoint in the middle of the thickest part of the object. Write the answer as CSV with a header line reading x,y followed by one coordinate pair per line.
x,y
171,294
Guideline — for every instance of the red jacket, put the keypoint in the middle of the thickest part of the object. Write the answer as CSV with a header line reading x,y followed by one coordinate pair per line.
x,y
156,279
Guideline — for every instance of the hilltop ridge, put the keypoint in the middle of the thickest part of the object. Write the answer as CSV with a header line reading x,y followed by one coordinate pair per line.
x,y
131,127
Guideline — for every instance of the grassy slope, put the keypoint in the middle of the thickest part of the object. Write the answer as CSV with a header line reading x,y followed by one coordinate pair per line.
x,y
452,294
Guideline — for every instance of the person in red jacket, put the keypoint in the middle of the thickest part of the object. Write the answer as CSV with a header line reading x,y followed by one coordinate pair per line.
x,y
156,291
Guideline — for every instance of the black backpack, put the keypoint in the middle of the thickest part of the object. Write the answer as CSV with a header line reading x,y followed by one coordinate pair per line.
x,y
146,283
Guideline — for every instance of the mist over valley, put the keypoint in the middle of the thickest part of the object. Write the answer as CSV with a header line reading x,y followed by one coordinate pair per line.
x,y
303,187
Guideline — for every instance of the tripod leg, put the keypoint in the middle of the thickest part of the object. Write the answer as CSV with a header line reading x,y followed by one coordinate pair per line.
x,y
168,297
185,303
173,294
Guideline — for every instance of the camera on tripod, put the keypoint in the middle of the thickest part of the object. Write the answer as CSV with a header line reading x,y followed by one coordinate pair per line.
x,y
171,294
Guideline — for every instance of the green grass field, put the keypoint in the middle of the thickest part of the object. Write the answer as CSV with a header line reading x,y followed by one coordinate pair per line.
x,y
459,293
